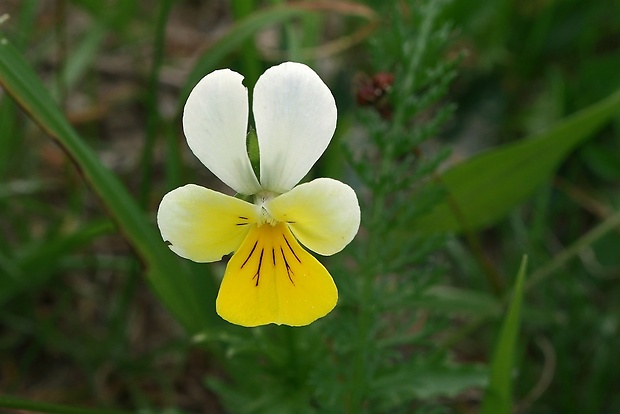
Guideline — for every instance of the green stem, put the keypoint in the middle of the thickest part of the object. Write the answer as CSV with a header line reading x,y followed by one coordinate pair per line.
x,y
249,55
153,118
61,38
609,224
26,22
118,321
292,42
41,407
174,162
419,49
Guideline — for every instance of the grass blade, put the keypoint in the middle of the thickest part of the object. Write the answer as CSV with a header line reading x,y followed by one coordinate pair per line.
x,y
42,407
186,298
498,396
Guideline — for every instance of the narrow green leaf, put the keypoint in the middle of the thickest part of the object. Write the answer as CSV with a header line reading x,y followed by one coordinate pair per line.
x,y
485,188
83,54
498,395
42,407
185,297
8,138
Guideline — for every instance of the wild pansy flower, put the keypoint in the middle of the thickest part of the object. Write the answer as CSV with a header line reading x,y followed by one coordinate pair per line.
x,y
270,278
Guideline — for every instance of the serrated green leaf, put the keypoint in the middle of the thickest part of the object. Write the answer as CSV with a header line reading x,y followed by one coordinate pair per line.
x,y
485,188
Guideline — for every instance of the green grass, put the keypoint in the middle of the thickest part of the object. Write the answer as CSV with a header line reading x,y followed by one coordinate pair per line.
x,y
501,139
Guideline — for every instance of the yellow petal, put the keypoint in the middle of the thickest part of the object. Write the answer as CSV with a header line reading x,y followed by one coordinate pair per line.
x,y
203,225
272,279
323,214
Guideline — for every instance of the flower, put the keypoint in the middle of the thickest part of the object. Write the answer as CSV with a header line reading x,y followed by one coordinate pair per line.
x,y
270,278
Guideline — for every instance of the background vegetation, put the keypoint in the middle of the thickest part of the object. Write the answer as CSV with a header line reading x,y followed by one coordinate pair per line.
x,y
474,133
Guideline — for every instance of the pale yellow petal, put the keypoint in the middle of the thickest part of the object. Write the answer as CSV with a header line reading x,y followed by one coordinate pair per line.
x,y
203,225
323,214
272,279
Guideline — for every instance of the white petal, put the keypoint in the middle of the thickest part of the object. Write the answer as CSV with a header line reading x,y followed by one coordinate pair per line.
x,y
203,225
295,115
323,214
215,121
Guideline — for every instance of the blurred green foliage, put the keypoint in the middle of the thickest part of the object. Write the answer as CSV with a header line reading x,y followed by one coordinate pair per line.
x,y
534,84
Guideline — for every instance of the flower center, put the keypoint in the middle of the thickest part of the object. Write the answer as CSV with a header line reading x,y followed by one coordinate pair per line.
x,y
260,199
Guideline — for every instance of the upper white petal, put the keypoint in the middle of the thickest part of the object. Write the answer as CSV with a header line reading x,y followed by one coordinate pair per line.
x,y
215,121
323,214
295,115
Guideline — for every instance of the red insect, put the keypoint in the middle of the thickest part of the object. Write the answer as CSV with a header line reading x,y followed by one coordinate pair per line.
x,y
373,91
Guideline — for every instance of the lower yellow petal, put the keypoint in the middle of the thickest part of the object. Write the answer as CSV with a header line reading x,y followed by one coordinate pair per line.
x,y
272,279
